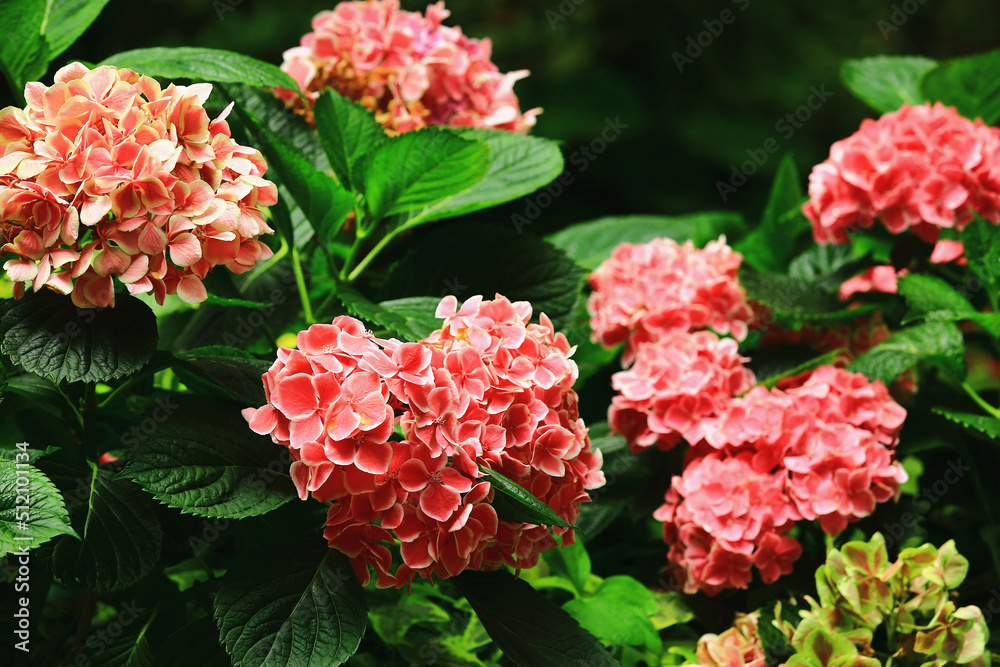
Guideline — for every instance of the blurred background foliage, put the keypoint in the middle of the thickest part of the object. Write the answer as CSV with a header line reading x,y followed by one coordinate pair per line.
x,y
593,60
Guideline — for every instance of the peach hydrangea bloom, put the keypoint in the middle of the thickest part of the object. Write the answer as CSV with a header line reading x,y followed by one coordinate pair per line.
x,y
486,390
407,67
922,168
739,646
107,174
644,291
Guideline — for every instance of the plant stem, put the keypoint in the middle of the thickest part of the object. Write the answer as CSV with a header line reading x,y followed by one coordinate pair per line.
x,y
980,401
379,247
300,281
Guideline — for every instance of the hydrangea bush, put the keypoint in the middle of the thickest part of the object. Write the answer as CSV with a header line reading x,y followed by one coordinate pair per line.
x,y
277,390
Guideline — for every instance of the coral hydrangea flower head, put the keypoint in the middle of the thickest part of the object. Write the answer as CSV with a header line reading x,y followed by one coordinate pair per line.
x,y
739,646
644,291
922,168
107,174
409,68
487,390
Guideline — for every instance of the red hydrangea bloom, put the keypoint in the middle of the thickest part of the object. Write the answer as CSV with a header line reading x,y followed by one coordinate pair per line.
x,y
644,291
674,385
820,449
922,167
487,389
106,174
739,646
407,67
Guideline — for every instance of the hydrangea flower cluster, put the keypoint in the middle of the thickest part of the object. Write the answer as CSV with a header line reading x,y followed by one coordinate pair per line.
x,y
106,174
644,291
486,390
407,67
738,646
922,168
819,448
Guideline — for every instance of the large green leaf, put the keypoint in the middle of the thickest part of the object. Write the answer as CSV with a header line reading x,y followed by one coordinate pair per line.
x,y
205,460
970,84
796,299
782,219
24,53
619,612
49,336
233,371
530,629
521,267
32,511
347,131
928,296
515,503
419,168
590,243
981,240
519,165
299,608
120,537
187,62
989,426
886,82
937,343
68,19
412,318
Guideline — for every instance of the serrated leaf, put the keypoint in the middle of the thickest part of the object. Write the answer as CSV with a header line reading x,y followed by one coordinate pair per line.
x,y
989,426
32,454
771,365
530,629
119,537
412,319
967,83
205,460
796,299
127,651
199,64
515,503
521,267
937,343
49,336
68,19
347,131
417,312
419,168
886,82
236,372
929,296
782,219
33,509
825,265
519,165
590,243
981,240
292,609
619,612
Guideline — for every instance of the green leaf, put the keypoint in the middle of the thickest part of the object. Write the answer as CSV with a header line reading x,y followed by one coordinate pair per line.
x,y
412,319
128,651
825,265
31,454
24,53
886,82
796,299
205,460
347,131
782,219
530,629
774,364
235,372
32,511
937,343
514,503
929,297
590,243
237,303
521,267
619,612
970,84
519,165
196,643
573,562
774,642
198,64
981,239
68,19
120,537
49,336
989,426
392,622
418,168
298,608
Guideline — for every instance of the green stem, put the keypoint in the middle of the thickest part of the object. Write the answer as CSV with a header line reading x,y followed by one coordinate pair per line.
x,y
261,269
980,401
379,247
300,281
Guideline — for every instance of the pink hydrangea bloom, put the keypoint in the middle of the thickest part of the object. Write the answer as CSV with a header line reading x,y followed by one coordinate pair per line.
x,y
674,385
822,448
487,389
644,291
407,67
106,174
876,279
948,250
739,646
922,167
